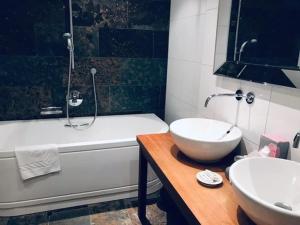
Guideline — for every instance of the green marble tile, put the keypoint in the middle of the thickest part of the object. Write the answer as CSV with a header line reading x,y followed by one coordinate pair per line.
x,y
70,216
106,207
3,220
82,220
34,219
137,99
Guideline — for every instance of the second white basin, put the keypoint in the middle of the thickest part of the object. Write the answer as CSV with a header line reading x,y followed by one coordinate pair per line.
x,y
203,139
268,190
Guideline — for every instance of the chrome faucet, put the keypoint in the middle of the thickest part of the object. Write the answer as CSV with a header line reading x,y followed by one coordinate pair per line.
x,y
239,95
242,48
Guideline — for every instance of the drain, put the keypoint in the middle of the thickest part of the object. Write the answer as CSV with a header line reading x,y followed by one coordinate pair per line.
x,y
283,206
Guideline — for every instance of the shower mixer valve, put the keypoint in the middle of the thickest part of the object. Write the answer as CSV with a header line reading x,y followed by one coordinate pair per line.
x,y
75,98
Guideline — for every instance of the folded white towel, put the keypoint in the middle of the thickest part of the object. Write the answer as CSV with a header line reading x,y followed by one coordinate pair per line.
x,y
37,160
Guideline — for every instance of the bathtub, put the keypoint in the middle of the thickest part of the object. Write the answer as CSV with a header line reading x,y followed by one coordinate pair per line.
x,y
98,164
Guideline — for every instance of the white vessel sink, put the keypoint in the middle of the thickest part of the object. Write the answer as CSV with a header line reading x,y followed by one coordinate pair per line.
x,y
262,183
203,139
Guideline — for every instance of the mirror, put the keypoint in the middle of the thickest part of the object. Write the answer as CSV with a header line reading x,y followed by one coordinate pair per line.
x,y
259,41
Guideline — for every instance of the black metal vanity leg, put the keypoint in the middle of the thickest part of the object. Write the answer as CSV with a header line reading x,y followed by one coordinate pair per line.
x,y
142,192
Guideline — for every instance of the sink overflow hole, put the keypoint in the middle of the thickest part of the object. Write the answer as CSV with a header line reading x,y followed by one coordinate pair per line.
x,y
283,206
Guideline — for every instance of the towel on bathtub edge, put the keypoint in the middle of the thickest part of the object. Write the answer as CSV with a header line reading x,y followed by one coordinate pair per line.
x,y
37,160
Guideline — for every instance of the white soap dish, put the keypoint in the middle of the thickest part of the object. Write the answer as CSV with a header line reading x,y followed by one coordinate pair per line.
x,y
209,178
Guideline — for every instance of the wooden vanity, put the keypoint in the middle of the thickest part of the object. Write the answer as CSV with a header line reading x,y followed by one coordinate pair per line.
x,y
198,204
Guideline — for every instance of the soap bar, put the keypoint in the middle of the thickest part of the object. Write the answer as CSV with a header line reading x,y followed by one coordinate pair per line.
x,y
282,144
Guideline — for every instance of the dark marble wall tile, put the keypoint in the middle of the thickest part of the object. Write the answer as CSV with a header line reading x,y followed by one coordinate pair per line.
x,y
160,44
162,97
32,71
49,40
145,14
16,34
141,72
17,21
23,102
86,41
100,13
82,77
134,98
119,71
46,11
125,40
130,43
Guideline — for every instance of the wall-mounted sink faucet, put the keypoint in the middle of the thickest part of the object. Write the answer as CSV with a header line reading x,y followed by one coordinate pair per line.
x,y
239,95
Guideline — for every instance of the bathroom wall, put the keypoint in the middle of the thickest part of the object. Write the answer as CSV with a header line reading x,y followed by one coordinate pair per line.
x,y
126,41
190,80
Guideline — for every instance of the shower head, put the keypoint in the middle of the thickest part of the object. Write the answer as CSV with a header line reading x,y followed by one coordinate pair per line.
x,y
252,41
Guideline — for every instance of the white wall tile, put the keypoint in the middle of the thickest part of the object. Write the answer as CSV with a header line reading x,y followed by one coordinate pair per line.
x,y
247,146
220,59
192,44
187,8
186,39
224,12
222,40
252,118
207,87
177,109
284,113
212,4
183,80
209,31
226,108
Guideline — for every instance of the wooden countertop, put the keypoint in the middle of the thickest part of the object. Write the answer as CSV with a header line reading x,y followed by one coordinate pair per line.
x,y
210,206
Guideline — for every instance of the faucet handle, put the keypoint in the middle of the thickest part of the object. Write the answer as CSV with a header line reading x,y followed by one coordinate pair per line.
x,y
250,97
239,94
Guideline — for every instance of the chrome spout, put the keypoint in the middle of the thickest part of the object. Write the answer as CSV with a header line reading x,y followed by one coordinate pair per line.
x,y
238,95
242,48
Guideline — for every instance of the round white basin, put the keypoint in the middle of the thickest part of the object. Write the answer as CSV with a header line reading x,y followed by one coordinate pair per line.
x,y
268,190
204,139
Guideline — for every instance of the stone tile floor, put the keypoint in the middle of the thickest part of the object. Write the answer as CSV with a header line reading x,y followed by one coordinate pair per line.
x,y
122,212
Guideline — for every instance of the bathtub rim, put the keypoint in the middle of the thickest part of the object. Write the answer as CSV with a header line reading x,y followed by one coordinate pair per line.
x,y
89,145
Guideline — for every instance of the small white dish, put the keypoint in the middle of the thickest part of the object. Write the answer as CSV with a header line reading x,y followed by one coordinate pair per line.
x,y
209,178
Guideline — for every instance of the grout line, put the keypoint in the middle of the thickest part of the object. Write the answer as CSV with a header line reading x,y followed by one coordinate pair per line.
x,y
188,60
183,101
153,44
252,142
268,112
187,17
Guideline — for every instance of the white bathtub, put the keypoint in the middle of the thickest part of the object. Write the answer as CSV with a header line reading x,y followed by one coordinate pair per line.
x,y
99,164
